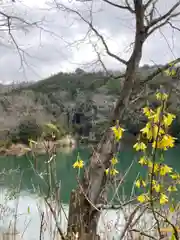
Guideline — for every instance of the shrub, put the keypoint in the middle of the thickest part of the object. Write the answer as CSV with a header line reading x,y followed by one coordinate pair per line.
x,y
53,131
28,129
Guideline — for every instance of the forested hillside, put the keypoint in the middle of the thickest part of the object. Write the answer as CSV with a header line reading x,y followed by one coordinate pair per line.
x,y
79,102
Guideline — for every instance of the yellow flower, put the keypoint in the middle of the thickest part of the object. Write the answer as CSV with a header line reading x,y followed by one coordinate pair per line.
x,y
155,117
175,176
147,130
138,183
143,198
171,209
156,166
157,114
173,72
78,164
142,160
113,172
164,169
171,64
167,142
150,164
140,146
168,119
163,199
170,72
157,131
161,96
155,144
114,161
118,132
156,186
143,183
148,112
172,189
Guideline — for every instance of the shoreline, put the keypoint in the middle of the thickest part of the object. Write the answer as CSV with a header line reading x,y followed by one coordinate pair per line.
x,y
68,143
40,147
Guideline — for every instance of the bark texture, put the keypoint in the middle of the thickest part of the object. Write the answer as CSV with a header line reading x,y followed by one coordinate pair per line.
x,y
83,216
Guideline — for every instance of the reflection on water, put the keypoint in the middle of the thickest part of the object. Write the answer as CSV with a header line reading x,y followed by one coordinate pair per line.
x,y
29,209
30,203
32,173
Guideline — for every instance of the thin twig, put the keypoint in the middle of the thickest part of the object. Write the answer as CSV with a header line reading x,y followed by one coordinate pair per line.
x,y
41,226
56,221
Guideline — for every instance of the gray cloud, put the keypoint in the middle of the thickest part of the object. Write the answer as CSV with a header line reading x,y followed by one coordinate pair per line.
x,y
48,46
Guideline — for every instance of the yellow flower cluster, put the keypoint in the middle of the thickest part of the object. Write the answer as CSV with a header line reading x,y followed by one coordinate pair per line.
x,y
171,71
161,169
79,162
112,170
140,146
118,131
156,128
156,186
156,133
143,198
140,183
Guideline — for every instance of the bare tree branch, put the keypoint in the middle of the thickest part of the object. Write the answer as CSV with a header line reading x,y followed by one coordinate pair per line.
x,y
158,71
147,4
10,23
127,7
151,13
158,26
56,220
132,67
61,6
100,60
143,234
165,16
174,27
94,179
108,74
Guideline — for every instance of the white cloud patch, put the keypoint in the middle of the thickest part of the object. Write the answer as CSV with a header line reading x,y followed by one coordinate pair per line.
x,y
58,42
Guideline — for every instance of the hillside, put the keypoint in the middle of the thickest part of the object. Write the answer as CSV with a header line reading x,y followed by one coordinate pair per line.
x,y
91,95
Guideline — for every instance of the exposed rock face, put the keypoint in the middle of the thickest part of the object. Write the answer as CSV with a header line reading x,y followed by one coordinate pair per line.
x,y
16,107
91,93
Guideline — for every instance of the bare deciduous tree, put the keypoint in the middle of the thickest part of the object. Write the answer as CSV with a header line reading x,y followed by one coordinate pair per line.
x,y
84,211
84,216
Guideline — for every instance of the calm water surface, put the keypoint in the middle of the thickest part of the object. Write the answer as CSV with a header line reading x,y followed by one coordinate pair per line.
x,y
19,169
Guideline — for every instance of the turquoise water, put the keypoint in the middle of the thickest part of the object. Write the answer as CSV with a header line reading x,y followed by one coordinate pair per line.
x,y
16,170
21,169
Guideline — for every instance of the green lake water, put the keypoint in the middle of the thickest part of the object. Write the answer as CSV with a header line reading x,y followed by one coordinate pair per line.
x,y
16,168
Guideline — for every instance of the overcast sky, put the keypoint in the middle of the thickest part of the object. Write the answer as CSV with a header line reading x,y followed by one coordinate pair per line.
x,y
59,41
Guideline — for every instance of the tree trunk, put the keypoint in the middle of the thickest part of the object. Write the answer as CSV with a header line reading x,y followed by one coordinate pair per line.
x,y
83,217
77,220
